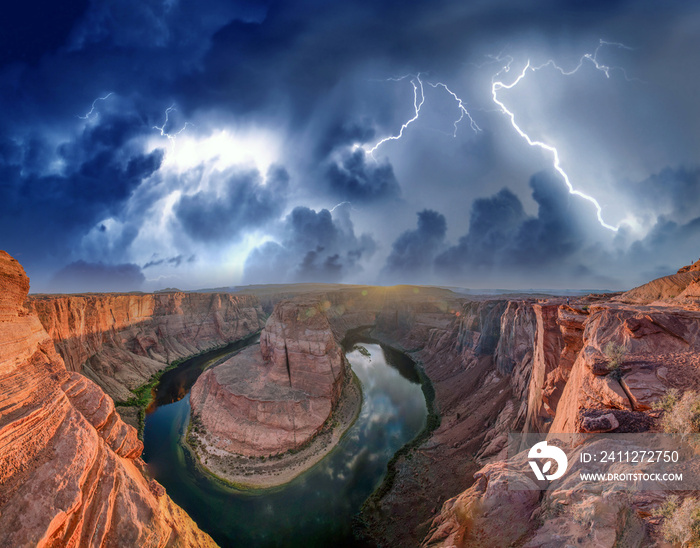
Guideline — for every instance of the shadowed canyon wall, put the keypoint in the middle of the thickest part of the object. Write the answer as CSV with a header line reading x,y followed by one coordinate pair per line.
x,y
120,340
656,331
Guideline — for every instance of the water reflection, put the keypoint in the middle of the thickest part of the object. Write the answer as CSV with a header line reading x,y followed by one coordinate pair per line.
x,y
316,509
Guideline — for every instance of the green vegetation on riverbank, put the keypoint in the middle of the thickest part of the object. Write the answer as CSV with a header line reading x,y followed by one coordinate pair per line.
x,y
143,395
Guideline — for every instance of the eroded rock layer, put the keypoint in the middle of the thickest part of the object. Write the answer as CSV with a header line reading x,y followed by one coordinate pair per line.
x,y
69,468
121,340
496,365
275,397
598,366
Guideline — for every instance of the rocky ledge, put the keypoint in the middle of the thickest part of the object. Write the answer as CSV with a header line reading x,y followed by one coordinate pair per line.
x,y
70,472
291,398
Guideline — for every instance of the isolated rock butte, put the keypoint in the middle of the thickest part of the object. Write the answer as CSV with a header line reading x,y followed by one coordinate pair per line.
x,y
69,468
268,400
275,397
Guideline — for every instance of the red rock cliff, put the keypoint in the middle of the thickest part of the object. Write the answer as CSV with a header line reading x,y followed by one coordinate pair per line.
x,y
277,396
69,468
120,340
571,390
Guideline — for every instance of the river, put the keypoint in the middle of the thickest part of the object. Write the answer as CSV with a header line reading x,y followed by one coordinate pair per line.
x,y
315,509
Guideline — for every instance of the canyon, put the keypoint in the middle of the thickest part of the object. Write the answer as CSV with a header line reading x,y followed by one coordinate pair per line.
x,y
490,366
120,341
274,399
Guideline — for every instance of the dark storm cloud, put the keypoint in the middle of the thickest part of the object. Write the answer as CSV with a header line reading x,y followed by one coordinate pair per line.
x,y
306,48
314,247
42,208
175,261
81,276
556,232
342,135
673,191
502,236
657,255
357,179
28,30
308,71
243,203
413,251
493,226
348,173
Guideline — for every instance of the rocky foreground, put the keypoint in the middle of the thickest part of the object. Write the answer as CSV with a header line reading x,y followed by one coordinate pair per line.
x,y
502,365
70,473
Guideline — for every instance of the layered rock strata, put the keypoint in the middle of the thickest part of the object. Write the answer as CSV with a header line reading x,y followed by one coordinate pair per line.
x,y
651,350
514,365
682,288
275,397
496,365
120,340
69,468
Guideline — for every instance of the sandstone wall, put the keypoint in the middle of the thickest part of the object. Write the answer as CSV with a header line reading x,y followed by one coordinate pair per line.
x,y
275,397
268,400
570,385
120,340
69,468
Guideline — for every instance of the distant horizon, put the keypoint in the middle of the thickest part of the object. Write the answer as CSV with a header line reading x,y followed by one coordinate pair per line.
x,y
455,289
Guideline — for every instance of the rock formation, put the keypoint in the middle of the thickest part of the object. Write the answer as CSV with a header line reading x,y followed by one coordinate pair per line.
x,y
680,288
275,397
571,389
120,340
70,473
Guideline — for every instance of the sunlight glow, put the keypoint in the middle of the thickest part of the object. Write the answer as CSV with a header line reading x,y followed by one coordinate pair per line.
x,y
221,149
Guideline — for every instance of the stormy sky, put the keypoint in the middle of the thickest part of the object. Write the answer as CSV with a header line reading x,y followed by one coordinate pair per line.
x,y
151,144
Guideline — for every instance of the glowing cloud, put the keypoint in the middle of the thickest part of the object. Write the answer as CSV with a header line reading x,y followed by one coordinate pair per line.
x,y
222,149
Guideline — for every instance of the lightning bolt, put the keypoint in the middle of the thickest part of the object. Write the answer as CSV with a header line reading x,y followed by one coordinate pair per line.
x,y
462,109
497,85
417,104
92,108
338,205
170,136
418,100
593,58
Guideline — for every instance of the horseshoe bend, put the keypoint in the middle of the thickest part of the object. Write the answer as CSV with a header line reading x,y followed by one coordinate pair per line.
x,y
78,372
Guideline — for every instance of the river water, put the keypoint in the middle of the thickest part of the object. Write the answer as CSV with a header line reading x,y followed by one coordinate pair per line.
x,y
315,509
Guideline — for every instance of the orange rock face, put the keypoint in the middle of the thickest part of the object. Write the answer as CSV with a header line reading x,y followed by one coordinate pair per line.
x,y
570,381
277,396
69,468
120,340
